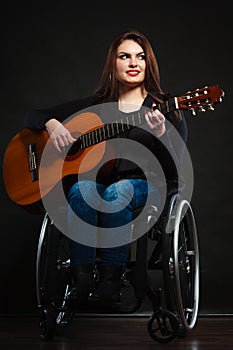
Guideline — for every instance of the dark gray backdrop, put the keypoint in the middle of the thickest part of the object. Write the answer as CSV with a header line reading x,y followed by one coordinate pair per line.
x,y
54,53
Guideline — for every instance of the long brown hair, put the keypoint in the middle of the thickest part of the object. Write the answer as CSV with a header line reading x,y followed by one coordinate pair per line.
x,y
108,82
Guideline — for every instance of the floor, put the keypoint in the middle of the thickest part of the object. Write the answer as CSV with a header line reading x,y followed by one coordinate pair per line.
x,y
122,332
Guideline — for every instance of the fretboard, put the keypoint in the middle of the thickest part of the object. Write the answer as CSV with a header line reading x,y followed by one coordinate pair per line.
x,y
110,130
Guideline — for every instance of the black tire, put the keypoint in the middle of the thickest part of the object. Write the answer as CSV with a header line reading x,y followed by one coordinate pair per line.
x,y
181,265
163,326
53,281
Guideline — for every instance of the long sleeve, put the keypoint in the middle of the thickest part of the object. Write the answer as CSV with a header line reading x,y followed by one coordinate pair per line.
x,y
36,119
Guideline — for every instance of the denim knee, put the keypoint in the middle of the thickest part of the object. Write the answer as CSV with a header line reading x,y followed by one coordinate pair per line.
x,y
122,190
82,187
82,200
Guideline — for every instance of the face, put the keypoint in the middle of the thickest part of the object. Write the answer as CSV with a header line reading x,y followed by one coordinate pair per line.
x,y
130,63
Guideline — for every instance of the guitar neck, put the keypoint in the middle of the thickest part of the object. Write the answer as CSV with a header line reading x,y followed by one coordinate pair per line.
x,y
110,130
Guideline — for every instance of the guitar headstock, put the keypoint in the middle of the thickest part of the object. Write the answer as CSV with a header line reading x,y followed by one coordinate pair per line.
x,y
201,99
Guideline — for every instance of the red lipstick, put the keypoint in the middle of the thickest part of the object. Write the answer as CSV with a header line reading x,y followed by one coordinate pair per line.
x,y
133,72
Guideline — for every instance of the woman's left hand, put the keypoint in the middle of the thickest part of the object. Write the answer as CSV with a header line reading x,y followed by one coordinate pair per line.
x,y
156,122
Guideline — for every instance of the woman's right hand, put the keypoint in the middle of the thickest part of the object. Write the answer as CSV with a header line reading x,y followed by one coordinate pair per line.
x,y
60,136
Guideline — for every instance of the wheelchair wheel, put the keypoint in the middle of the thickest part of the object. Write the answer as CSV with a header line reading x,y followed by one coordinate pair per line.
x,y
181,265
163,326
53,281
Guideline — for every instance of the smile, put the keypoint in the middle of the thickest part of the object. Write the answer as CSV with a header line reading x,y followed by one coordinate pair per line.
x,y
133,73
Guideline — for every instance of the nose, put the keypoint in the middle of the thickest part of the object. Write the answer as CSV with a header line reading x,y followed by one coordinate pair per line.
x,y
133,62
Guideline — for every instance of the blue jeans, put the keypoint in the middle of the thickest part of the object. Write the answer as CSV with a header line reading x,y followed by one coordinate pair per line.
x,y
106,207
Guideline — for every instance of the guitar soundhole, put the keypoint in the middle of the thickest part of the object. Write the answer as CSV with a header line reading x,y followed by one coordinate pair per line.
x,y
74,149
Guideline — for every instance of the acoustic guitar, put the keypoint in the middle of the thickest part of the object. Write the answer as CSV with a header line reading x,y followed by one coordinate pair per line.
x,y
32,166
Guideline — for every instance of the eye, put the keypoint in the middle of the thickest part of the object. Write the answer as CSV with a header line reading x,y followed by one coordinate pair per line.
x,y
142,57
123,56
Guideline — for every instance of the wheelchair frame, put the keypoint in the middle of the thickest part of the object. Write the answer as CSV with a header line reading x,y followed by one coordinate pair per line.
x,y
175,254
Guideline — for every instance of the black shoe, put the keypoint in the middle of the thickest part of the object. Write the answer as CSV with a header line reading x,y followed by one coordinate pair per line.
x,y
83,280
109,287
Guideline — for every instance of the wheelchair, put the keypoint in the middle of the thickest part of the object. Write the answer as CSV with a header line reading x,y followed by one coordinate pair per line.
x,y
167,253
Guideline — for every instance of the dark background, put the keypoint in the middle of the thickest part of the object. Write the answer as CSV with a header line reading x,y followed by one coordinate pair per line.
x,y
51,53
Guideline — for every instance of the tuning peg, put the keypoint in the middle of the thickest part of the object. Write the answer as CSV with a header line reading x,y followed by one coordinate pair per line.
x,y
201,109
193,111
210,107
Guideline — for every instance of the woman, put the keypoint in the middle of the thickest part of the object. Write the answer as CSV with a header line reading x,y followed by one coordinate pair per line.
x,y
131,80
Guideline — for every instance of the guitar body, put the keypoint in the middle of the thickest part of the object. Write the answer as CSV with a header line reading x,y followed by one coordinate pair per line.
x,y
32,166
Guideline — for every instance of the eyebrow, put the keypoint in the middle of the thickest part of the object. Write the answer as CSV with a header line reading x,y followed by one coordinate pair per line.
x,y
128,53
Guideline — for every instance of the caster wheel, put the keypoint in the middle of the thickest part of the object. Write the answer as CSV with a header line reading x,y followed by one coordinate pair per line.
x,y
47,324
163,326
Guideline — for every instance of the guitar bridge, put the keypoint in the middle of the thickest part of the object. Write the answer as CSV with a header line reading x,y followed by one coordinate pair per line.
x,y
33,162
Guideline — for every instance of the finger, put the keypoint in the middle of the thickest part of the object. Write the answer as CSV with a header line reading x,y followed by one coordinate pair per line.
x,y
154,120
66,140
61,141
148,120
159,115
66,135
56,145
70,138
